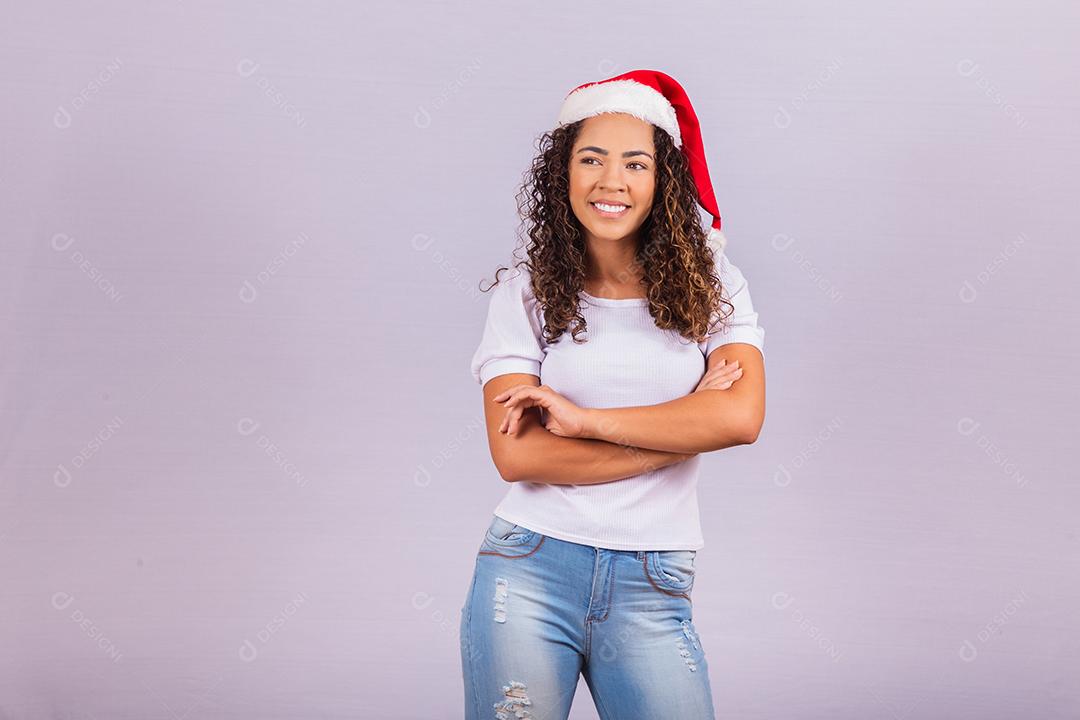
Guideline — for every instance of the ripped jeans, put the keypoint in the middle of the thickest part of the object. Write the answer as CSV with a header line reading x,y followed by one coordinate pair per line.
x,y
542,611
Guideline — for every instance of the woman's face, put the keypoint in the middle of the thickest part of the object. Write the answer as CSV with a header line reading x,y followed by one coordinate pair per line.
x,y
612,163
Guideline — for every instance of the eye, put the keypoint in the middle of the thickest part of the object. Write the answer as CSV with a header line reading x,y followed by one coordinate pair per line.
x,y
641,165
585,160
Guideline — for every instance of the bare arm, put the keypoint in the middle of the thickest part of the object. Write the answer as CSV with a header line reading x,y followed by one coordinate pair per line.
x,y
699,422
533,454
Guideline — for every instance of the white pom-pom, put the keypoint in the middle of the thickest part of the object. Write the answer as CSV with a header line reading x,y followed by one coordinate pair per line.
x,y
717,241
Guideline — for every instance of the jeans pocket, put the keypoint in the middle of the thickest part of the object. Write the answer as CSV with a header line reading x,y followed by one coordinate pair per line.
x,y
672,569
505,533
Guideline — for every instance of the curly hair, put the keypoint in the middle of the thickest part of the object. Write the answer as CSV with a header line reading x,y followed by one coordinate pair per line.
x,y
677,264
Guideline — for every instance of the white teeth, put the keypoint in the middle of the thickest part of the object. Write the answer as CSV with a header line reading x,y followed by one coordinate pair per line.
x,y
610,208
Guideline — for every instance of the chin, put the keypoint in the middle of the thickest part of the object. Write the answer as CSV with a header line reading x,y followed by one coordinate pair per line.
x,y
609,232
614,234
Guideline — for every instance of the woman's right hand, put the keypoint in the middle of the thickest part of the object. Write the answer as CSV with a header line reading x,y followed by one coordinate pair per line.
x,y
720,377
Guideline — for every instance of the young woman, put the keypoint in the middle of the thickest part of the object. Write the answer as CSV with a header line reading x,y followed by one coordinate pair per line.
x,y
622,348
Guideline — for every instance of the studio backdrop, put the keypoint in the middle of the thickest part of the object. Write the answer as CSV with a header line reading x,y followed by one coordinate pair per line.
x,y
243,465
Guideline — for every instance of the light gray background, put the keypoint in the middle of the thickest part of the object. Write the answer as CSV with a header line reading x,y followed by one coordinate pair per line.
x,y
244,473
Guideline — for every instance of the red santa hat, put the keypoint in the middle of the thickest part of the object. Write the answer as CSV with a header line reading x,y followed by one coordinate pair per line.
x,y
657,98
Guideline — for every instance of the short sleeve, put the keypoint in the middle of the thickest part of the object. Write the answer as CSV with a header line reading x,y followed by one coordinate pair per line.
x,y
741,326
512,339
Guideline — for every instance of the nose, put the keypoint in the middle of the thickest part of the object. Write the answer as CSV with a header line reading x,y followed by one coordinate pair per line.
x,y
612,177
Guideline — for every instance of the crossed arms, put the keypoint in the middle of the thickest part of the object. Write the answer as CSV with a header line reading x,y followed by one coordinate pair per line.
x,y
621,442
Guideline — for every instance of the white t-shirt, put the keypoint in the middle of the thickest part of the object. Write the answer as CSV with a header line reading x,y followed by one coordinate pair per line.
x,y
626,361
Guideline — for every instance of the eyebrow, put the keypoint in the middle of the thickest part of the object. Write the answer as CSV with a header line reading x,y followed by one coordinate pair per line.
x,y
628,153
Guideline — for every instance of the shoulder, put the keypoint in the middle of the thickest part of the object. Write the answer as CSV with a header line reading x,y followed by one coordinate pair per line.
x,y
518,278
731,277
512,297
741,323
514,286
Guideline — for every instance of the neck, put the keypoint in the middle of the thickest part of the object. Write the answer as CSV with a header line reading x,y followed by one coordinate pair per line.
x,y
612,261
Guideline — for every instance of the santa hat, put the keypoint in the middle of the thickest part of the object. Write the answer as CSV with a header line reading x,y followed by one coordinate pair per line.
x,y
656,98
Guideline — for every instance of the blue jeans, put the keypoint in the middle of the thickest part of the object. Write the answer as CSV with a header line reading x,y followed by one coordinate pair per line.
x,y
541,611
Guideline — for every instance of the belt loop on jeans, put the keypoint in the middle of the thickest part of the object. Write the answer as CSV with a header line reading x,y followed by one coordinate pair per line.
x,y
640,554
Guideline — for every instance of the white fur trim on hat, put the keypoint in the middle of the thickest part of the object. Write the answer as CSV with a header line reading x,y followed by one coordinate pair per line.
x,y
717,242
625,96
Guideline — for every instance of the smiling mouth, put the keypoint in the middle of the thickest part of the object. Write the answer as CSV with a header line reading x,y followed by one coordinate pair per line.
x,y
610,211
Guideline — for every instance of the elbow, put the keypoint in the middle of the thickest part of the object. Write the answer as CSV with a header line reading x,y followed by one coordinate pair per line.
x,y
751,430
508,471
730,440
727,438
743,433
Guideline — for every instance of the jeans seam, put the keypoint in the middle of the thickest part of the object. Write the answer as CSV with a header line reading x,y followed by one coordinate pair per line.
x,y
600,707
469,647
611,590
515,557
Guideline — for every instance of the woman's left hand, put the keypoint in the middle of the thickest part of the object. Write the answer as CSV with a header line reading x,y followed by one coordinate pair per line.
x,y
562,417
